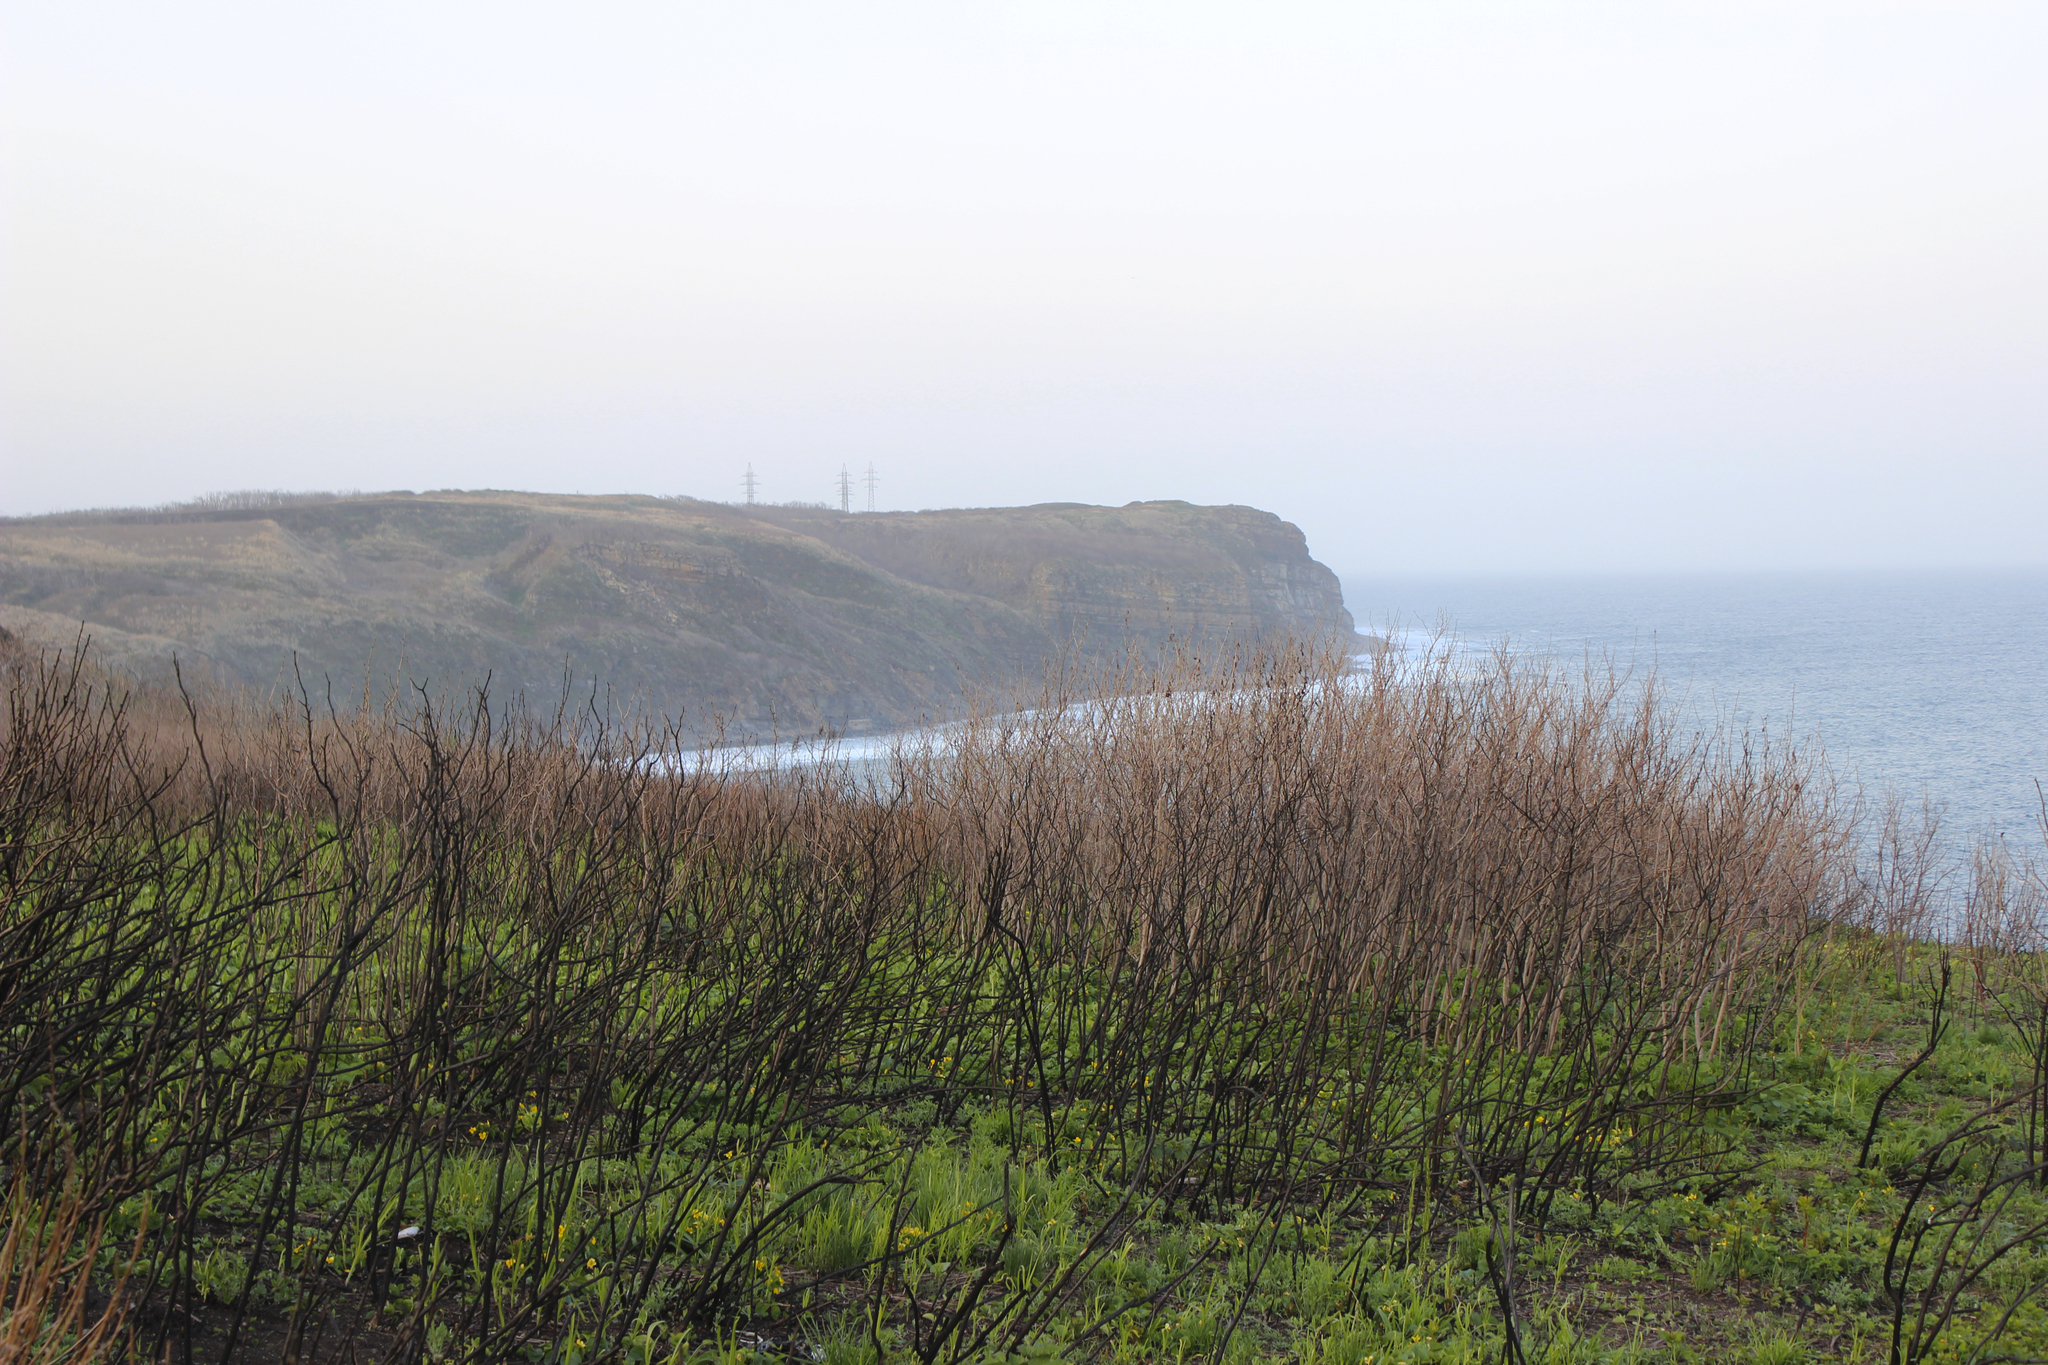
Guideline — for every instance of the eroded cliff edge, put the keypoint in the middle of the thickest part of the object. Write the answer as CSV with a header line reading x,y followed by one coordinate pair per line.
x,y
771,618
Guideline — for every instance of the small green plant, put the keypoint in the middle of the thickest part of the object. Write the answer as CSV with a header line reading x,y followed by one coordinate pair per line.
x,y
1712,1267
220,1275
1776,1348
1844,1293
1470,1248
1621,1270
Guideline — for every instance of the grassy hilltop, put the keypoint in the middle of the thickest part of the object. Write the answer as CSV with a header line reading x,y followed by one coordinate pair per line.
x,y
770,617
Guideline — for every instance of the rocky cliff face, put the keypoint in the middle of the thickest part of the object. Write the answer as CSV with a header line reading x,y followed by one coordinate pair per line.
x,y
767,619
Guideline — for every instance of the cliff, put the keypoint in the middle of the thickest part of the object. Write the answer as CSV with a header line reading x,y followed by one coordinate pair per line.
x,y
771,618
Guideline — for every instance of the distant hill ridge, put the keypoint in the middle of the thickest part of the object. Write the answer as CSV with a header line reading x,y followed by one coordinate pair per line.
x,y
782,618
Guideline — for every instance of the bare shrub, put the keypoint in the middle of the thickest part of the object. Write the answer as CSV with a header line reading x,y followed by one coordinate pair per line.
x,y
46,1290
1903,877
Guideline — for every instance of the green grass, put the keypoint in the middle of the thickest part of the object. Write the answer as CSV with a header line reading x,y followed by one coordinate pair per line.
x,y
1781,1262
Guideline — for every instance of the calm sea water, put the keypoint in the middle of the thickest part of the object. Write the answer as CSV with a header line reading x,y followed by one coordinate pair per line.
x,y
1927,683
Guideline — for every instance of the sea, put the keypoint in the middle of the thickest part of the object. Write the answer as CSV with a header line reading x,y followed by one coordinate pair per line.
x,y
1933,685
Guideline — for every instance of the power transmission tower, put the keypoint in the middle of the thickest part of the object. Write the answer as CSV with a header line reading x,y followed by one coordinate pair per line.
x,y
750,483
870,480
845,490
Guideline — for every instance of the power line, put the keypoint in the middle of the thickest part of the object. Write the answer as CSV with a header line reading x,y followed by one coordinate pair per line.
x,y
750,483
870,480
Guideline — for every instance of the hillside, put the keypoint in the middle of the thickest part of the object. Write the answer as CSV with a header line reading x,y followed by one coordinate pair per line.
x,y
772,618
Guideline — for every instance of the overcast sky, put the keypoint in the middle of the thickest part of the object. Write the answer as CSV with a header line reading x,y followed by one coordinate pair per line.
x,y
1453,286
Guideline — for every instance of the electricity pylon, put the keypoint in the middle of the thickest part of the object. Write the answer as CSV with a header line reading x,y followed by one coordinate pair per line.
x,y
845,490
750,483
870,480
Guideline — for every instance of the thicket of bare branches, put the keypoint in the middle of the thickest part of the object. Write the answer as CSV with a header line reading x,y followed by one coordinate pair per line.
x,y
1247,932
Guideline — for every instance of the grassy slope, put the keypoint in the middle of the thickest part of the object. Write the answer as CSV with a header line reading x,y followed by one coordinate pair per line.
x,y
767,617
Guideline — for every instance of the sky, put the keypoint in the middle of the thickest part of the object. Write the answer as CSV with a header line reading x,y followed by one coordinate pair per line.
x,y
1455,287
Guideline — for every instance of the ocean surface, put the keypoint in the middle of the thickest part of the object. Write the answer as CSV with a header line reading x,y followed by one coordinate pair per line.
x,y
1927,683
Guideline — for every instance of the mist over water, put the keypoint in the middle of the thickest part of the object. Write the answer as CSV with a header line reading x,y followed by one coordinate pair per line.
x,y
1926,682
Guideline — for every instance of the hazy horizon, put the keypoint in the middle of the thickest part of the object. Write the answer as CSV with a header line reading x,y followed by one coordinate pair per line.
x,y
1455,288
